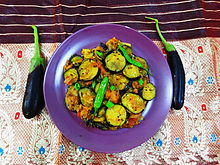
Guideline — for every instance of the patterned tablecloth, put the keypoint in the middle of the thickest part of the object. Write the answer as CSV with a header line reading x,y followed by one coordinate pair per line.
x,y
188,136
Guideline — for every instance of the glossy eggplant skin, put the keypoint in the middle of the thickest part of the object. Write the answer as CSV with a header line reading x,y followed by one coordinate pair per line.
x,y
33,101
178,75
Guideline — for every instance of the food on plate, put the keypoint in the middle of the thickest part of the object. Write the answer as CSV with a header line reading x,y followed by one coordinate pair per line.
x,y
131,71
116,115
108,86
115,61
71,76
149,91
133,102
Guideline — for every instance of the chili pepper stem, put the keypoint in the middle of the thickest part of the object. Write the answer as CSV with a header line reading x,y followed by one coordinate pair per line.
x,y
169,47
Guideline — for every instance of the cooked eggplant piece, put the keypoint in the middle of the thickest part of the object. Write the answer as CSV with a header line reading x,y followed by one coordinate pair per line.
x,y
109,52
88,53
71,98
131,71
99,53
99,119
70,76
103,46
100,49
87,97
67,66
149,91
76,60
88,70
99,125
133,102
99,77
128,87
115,61
116,115
119,81
101,111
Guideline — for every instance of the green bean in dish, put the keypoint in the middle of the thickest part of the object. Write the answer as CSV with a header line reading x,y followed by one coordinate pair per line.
x,y
108,86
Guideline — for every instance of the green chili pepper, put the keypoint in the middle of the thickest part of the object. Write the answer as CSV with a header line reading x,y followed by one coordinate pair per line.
x,y
99,53
100,94
112,87
93,84
109,104
130,60
141,82
77,86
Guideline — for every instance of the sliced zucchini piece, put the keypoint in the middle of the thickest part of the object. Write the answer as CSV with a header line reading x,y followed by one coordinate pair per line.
x,y
149,91
116,115
87,97
88,70
70,76
131,71
115,61
71,98
76,60
119,81
134,103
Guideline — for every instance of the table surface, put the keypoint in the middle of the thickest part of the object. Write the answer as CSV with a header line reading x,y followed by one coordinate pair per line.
x,y
188,136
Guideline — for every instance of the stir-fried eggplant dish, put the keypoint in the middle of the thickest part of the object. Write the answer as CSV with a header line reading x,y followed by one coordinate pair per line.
x,y
108,86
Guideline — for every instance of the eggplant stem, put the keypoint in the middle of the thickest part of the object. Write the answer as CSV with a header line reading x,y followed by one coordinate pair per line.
x,y
36,60
169,47
36,42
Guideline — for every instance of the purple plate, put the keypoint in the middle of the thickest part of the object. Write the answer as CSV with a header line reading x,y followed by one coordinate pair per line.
x,y
92,138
